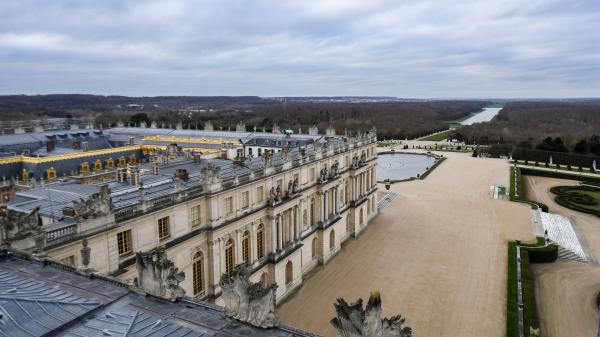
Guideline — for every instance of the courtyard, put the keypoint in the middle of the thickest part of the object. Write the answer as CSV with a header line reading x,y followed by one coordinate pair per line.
x,y
437,253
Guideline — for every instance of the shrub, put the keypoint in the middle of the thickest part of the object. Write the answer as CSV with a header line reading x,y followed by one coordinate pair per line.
x,y
545,254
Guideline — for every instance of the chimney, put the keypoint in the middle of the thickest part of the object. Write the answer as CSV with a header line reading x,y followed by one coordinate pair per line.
x,y
133,175
182,174
85,146
155,169
121,174
131,141
50,145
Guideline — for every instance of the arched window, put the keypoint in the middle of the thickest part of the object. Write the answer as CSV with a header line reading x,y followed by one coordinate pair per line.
x,y
110,163
315,242
122,161
85,167
51,174
132,159
229,257
98,165
260,241
246,247
25,175
331,240
360,217
289,272
198,271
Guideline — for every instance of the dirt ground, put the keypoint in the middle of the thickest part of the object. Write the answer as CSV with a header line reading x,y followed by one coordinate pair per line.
x,y
437,253
566,291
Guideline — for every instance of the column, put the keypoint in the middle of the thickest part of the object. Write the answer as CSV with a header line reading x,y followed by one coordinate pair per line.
x,y
279,227
273,234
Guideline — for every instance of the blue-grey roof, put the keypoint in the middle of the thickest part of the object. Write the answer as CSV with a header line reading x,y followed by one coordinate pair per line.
x,y
37,299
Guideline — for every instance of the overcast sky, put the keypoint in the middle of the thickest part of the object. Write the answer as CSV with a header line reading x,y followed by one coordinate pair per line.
x,y
424,48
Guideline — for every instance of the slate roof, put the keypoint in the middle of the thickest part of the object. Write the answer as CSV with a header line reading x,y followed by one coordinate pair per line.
x,y
52,198
38,299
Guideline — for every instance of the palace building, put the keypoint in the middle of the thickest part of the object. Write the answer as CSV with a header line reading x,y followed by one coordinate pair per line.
x,y
279,203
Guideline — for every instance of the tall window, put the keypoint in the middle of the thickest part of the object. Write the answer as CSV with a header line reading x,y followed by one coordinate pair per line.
x,y
228,205
246,247
164,230
25,175
133,159
98,165
245,199
260,241
312,173
229,257
122,161
195,215
198,271
110,163
260,193
124,242
289,272
85,167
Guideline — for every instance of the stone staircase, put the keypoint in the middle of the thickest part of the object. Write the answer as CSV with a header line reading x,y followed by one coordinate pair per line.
x,y
562,232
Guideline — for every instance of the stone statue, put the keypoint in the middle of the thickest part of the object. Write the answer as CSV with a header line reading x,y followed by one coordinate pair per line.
x,y
16,225
278,194
266,159
97,205
334,170
295,187
289,189
324,174
354,321
158,276
285,153
246,301
85,254
272,196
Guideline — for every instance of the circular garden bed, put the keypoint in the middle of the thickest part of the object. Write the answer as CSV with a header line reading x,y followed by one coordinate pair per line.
x,y
580,198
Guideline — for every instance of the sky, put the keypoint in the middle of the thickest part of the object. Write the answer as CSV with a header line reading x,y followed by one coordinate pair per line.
x,y
411,49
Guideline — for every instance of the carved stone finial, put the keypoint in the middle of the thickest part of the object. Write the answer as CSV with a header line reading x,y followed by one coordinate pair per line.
x,y
16,226
248,302
158,276
354,321
97,205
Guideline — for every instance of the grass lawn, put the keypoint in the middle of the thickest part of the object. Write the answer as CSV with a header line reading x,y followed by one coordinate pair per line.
x,y
580,198
438,137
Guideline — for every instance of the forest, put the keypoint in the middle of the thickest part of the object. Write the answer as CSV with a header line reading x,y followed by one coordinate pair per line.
x,y
393,119
548,126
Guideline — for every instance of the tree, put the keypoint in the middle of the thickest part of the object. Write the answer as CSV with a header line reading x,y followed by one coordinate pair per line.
x,y
582,147
139,118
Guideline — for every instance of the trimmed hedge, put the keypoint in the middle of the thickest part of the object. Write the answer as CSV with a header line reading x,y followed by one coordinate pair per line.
x,y
544,254
569,197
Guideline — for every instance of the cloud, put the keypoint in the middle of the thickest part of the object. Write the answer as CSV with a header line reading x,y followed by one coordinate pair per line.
x,y
429,48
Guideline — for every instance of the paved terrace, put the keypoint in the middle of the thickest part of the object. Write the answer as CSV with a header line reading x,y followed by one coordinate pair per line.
x,y
437,253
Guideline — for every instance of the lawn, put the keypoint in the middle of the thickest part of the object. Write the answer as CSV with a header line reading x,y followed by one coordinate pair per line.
x,y
438,137
580,198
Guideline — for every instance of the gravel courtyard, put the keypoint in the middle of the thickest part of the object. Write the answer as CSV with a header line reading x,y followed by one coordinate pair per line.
x,y
437,253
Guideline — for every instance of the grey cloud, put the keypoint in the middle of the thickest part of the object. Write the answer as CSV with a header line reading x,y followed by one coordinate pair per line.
x,y
430,48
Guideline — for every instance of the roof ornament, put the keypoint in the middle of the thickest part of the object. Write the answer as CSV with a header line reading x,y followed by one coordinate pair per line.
x,y
246,301
158,276
97,205
16,225
354,321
